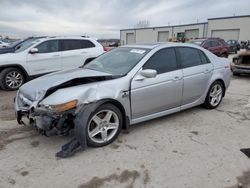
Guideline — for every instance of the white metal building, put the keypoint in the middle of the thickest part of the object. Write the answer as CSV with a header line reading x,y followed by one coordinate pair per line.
x,y
237,27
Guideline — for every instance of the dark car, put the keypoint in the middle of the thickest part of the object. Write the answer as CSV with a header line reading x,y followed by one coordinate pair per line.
x,y
16,45
245,45
234,45
241,63
215,45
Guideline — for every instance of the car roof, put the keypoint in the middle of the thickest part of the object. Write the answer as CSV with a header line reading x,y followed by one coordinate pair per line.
x,y
66,37
199,40
160,44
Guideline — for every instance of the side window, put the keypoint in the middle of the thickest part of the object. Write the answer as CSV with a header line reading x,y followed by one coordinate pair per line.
x,y
215,44
87,44
162,61
48,46
204,58
71,45
189,57
206,44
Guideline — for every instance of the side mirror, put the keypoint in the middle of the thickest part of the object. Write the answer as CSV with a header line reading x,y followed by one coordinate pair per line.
x,y
33,50
149,73
146,73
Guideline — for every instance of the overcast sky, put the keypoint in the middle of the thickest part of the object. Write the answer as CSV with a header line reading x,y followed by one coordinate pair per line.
x,y
105,18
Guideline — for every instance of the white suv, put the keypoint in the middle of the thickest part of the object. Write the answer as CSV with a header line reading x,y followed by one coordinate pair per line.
x,y
41,56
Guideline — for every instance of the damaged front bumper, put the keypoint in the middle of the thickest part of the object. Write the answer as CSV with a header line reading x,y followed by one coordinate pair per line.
x,y
45,120
241,69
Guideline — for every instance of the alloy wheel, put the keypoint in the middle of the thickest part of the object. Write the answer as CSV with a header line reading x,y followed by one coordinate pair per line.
x,y
14,79
103,126
215,95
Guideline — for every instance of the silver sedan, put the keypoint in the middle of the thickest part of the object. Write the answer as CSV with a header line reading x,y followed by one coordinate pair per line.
x,y
125,86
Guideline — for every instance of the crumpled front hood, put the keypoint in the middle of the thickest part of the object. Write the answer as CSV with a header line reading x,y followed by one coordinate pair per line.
x,y
37,88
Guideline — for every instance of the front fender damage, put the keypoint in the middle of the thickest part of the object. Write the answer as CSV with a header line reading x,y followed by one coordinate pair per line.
x,y
36,106
79,141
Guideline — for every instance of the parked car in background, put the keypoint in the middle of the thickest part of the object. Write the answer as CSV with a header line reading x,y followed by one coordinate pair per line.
x,y
43,56
234,46
215,45
245,45
241,63
3,44
17,44
125,86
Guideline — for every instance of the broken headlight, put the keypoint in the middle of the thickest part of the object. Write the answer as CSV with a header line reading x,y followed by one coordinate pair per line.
x,y
63,107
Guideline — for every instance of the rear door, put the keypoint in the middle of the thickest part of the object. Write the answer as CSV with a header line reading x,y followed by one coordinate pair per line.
x,y
75,52
197,72
47,59
164,92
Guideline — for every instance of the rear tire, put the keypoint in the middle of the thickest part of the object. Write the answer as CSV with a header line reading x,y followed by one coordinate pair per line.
x,y
214,95
11,79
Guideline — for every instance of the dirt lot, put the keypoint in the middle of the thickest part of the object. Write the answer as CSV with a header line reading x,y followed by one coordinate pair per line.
x,y
195,148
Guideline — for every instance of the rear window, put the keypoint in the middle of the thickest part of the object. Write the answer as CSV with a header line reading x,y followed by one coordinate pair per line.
x,y
87,44
72,44
196,42
204,58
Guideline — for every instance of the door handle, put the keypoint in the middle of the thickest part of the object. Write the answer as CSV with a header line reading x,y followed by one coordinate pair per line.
x,y
84,52
56,55
176,78
206,71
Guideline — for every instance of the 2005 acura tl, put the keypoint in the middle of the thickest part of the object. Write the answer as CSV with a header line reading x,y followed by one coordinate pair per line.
x,y
127,85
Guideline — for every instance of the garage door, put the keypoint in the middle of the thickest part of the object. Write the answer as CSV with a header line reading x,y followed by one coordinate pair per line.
x,y
226,34
163,36
192,33
130,38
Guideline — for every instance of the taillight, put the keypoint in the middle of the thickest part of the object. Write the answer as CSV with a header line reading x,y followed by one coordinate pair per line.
x,y
105,49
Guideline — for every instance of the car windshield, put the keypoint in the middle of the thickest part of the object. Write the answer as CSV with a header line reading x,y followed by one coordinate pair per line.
x,y
118,61
13,44
196,42
26,44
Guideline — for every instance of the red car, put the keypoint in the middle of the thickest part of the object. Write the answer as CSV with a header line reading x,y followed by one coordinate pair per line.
x,y
215,45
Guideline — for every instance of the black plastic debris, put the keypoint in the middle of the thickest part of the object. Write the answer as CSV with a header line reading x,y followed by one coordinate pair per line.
x,y
246,151
69,149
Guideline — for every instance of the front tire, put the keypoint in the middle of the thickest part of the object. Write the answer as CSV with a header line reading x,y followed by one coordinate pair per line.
x,y
11,79
104,125
214,95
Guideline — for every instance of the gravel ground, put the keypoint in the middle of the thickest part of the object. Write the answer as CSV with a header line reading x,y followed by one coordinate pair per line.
x,y
194,148
7,105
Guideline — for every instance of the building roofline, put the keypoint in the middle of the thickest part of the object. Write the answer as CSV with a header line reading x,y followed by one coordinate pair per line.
x,y
201,23
229,17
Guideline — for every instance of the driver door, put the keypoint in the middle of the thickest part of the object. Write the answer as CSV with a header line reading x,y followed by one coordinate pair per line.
x,y
47,59
161,93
